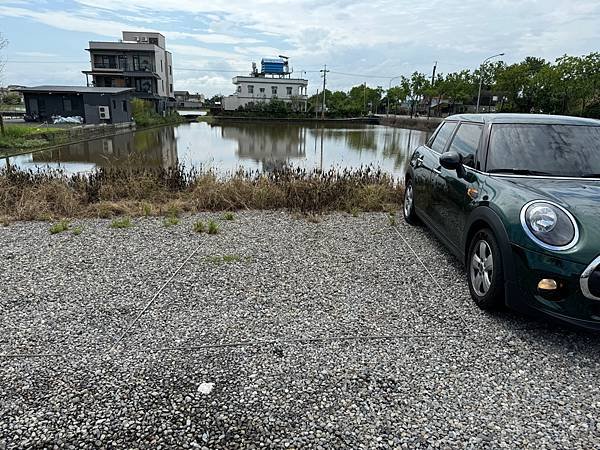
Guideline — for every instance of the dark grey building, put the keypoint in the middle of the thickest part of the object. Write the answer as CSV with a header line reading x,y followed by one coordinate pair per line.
x,y
94,104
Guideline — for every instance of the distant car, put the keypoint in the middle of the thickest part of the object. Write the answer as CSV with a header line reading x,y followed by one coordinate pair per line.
x,y
517,198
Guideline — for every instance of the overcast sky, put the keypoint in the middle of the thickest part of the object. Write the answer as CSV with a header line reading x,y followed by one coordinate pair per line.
x,y
359,40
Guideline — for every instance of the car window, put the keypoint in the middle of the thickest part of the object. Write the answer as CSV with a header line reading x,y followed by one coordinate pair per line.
x,y
442,136
559,150
466,142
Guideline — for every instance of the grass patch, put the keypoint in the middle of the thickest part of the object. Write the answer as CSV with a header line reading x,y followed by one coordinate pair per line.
x,y
392,218
59,227
228,216
171,221
77,230
123,222
213,227
199,227
22,137
227,259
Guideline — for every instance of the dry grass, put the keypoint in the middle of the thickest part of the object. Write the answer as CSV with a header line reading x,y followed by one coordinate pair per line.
x,y
112,193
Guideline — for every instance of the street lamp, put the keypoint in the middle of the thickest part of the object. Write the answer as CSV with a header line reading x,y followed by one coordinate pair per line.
x,y
388,94
481,76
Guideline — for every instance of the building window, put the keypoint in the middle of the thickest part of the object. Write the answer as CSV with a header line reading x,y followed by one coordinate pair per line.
x,y
114,104
262,90
161,67
67,104
125,105
289,91
170,70
274,90
170,87
250,89
239,89
162,83
153,41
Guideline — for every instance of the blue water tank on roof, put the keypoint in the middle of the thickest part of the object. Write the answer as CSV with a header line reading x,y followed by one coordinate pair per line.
x,y
272,65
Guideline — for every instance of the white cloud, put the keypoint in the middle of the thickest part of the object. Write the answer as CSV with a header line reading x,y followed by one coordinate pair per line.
x,y
376,37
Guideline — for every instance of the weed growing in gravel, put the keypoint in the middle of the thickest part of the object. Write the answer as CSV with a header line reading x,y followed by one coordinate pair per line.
x,y
213,227
59,227
313,218
354,211
4,221
124,222
146,209
228,216
392,219
199,227
77,230
227,259
171,221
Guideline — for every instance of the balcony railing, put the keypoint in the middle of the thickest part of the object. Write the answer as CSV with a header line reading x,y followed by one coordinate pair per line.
x,y
125,67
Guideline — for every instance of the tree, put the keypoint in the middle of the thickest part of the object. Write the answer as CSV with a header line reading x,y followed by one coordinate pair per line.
x,y
459,87
416,87
3,43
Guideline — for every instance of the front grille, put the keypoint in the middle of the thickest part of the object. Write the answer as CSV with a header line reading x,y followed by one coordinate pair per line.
x,y
594,283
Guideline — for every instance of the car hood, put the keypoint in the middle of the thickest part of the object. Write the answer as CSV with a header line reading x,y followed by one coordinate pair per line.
x,y
581,197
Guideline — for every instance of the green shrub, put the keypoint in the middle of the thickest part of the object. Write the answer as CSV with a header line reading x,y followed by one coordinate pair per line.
x,y
228,216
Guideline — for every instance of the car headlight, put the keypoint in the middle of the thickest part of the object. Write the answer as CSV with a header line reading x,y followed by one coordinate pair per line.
x,y
549,225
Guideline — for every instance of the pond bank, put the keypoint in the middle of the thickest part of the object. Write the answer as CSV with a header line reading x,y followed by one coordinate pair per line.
x,y
119,192
414,123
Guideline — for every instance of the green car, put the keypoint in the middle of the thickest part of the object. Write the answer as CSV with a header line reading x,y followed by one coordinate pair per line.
x,y
517,198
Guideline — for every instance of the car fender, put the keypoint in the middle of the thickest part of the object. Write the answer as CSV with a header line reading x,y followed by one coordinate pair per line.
x,y
485,216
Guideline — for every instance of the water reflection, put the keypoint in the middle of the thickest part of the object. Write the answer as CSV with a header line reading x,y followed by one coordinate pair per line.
x,y
227,147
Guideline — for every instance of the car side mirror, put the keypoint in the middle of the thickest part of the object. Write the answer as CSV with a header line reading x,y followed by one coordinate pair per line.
x,y
451,160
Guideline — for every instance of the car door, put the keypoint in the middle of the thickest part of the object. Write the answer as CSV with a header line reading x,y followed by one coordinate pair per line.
x,y
454,190
424,162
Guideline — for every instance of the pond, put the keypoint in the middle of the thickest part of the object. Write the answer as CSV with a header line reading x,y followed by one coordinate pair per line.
x,y
231,146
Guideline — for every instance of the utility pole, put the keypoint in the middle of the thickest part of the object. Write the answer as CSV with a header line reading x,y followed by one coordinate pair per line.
x,y
317,102
324,71
432,84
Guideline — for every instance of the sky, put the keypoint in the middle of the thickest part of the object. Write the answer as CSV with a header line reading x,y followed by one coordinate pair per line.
x,y
360,41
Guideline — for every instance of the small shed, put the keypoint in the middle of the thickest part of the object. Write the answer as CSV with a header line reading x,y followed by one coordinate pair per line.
x,y
94,104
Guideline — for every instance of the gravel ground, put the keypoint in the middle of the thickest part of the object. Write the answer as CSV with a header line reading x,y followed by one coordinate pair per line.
x,y
306,335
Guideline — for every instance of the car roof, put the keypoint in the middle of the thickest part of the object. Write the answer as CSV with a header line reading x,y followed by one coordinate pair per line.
x,y
524,119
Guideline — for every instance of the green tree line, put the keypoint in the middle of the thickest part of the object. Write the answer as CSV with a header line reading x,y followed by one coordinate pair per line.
x,y
569,85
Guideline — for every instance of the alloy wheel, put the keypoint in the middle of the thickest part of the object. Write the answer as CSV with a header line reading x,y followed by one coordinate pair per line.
x,y
408,200
482,268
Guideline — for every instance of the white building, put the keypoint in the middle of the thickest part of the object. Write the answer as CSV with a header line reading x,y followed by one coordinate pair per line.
x,y
260,87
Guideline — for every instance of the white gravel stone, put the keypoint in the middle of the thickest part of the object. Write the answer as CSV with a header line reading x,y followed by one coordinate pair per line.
x,y
313,335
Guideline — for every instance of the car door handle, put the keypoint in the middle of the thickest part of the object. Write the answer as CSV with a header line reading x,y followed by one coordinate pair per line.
x,y
419,162
438,171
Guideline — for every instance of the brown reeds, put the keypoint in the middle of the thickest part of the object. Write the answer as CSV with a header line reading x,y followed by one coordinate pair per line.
x,y
46,195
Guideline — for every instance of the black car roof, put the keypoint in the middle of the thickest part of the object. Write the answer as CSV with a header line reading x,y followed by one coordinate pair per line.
x,y
525,118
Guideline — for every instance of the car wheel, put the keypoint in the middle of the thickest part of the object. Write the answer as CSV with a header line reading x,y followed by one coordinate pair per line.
x,y
484,269
409,204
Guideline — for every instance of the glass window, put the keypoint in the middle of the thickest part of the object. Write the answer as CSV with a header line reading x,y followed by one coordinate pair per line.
x,y
239,89
442,136
67,104
466,141
559,150
274,90
250,89
262,90
125,105
114,102
289,90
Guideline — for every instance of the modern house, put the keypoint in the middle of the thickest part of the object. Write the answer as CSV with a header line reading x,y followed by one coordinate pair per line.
x,y
274,81
94,104
139,61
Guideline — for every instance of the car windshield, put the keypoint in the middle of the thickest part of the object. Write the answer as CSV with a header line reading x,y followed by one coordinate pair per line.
x,y
556,150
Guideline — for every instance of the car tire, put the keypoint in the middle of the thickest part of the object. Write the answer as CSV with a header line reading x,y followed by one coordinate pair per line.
x,y
409,204
484,271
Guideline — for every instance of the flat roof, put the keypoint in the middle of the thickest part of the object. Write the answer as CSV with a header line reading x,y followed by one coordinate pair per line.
x,y
76,90
525,118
